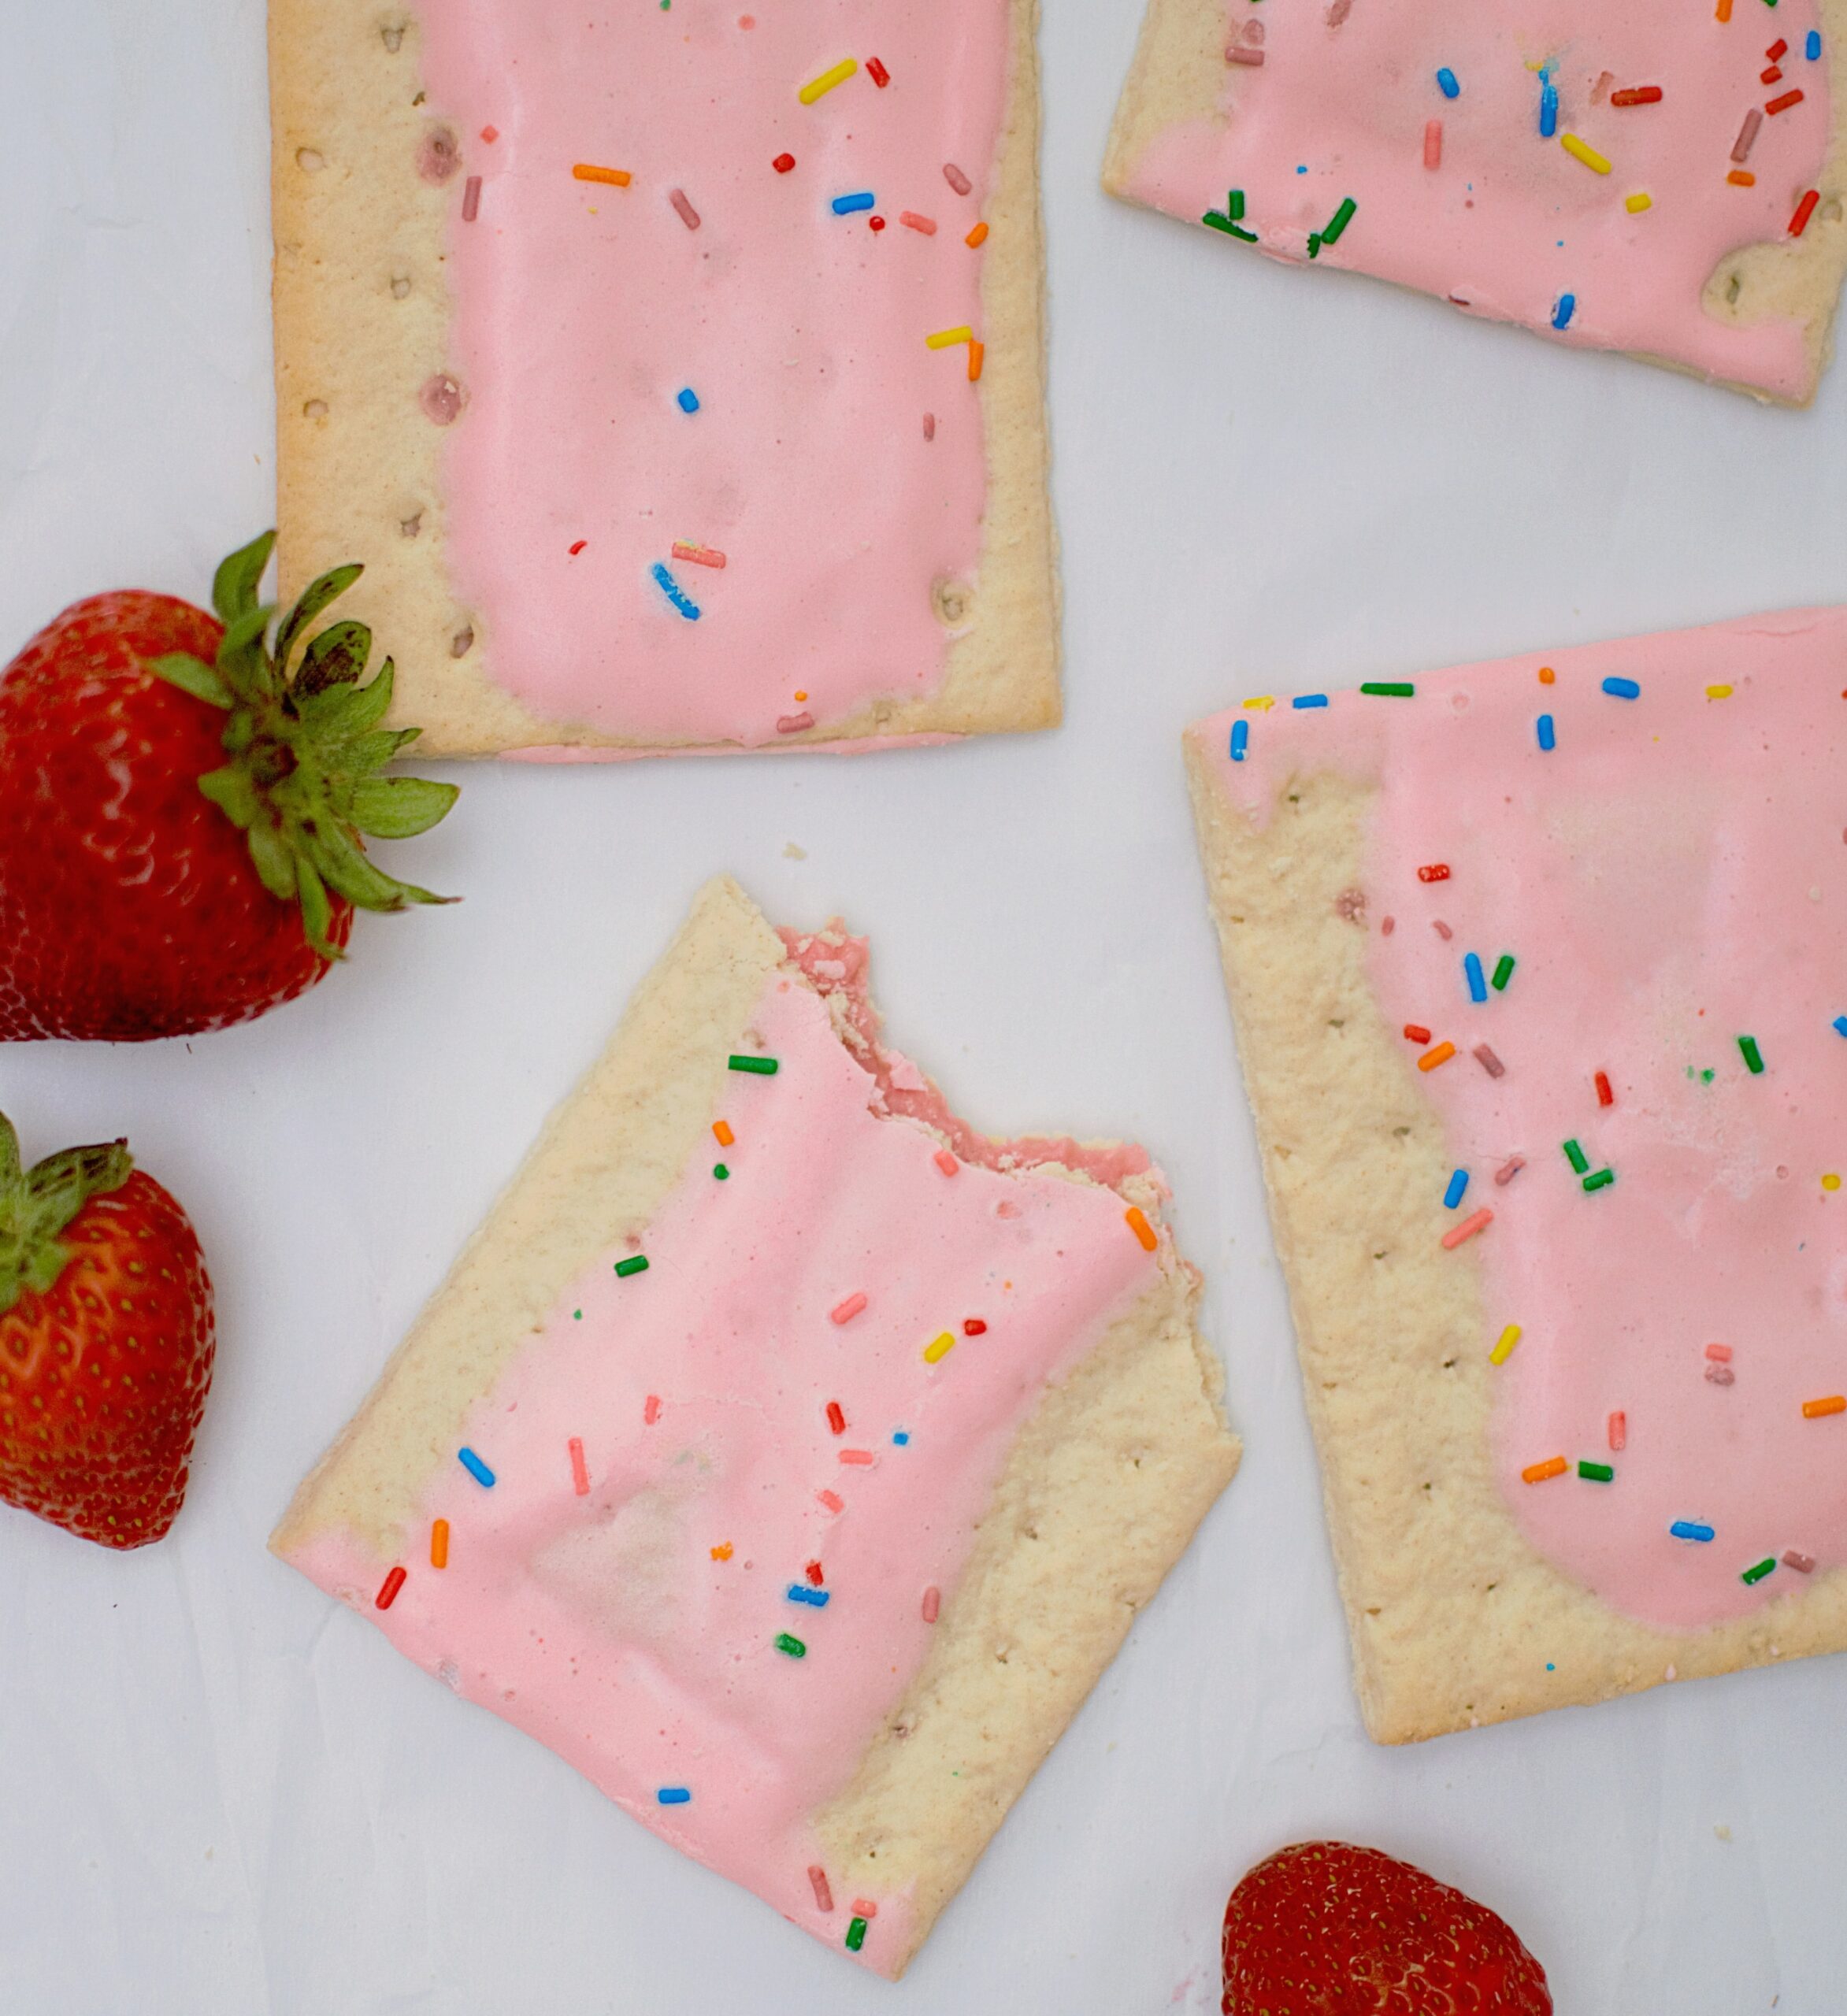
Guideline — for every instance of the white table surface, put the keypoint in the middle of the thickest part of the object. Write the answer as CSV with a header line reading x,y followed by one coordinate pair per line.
x,y
219,1792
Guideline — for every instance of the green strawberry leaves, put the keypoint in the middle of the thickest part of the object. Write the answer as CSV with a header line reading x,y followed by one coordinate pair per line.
x,y
36,1205
303,783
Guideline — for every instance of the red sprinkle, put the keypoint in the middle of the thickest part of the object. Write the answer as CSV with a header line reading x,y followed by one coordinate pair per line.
x,y
972,1326
844,1312
783,163
1804,210
865,1908
579,1476
1782,104
1618,1429
650,1411
1777,50
1416,1032
389,1593
877,71
1604,1095
471,199
1433,143
929,427
1721,1353
947,1162
1640,94
862,1459
876,223
1437,871
1772,75
579,548
700,556
832,1503
813,1572
933,1602
823,1895
490,133
1480,1221
835,1419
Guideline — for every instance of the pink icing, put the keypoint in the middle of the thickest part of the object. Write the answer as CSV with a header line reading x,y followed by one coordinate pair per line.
x,y
1507,222
601,1623
1670,878
583,309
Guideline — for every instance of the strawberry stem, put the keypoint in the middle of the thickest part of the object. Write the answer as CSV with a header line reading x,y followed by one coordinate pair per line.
x,y
37,1204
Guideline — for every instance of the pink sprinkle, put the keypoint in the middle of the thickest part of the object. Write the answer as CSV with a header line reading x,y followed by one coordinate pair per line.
x,y
1488,1061
1721,1375
1741,148
844,1312
688,217
1387,926
1721,1353
1804,1564
1509,1169
1442,929
1240,52
1467,1229
794,724
930,433
1339,12
933,1602
926,225
823,1895
700,556
833,1503
947,1162
471,199
441,398
864,1907
579,1476
956,180
490,133
861,1459
650,1412
1433,143
1618,1429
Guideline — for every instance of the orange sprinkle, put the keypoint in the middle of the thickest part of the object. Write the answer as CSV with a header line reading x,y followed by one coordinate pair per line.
x,y
1547,676
587,172
1553,1466
722,1133
650,1410
1140,1226
1722,12
1742,178
978,236
439,1544
1431,1058
976,352
722,1552
1833,1403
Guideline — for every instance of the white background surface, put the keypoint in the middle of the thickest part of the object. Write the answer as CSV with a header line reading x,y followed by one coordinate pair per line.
x,y
219,1793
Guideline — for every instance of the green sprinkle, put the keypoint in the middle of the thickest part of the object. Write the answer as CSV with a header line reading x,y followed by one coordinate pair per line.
x,y
1504,972
1389,689
638,1265
1340,221
1219,221
1706,1078
576,1316
1576,1156
856,1934
1753,1057
1602,1180
1757,1574
1597,1472
765,1067
719,1171
794,1646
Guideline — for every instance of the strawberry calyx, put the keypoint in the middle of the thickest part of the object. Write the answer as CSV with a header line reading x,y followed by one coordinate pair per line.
x,y
302,781
36,1205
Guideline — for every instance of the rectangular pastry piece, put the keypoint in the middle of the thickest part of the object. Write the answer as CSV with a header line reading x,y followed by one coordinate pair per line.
x,y
789,1458
678,375
1655,178
1542,1005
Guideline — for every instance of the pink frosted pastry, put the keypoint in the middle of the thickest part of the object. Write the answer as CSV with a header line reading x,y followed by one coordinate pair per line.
x,y
1660,177
1538,976
787,1457
676,372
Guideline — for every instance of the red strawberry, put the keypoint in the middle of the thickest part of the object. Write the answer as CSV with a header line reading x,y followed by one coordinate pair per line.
x,y
105,1343
1327,1929
180,812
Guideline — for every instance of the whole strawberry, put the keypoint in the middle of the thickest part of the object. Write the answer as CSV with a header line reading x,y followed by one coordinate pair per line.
x,y
181,808
1324,1928
105,1343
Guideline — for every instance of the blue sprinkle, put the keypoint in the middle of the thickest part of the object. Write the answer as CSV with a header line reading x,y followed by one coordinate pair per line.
x,y
1623,689
1550,1667
1240,739
1446,83
675,594
1547,739
674,1796
1690,1529
1561,316
1471,966
1549,110
799,1592
476,1468
1309,700
1840,1025
689,400
901,1436
1303,169
844,206
1458,1184
1811,48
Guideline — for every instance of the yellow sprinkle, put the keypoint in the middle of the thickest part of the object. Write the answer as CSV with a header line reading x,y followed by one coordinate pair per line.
x,y
820,87
1140,1226
587,172
1504,1349
1640,201
1580,150
1830,1181
1717,692
938,1348
1264,701
722,1552
948,338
